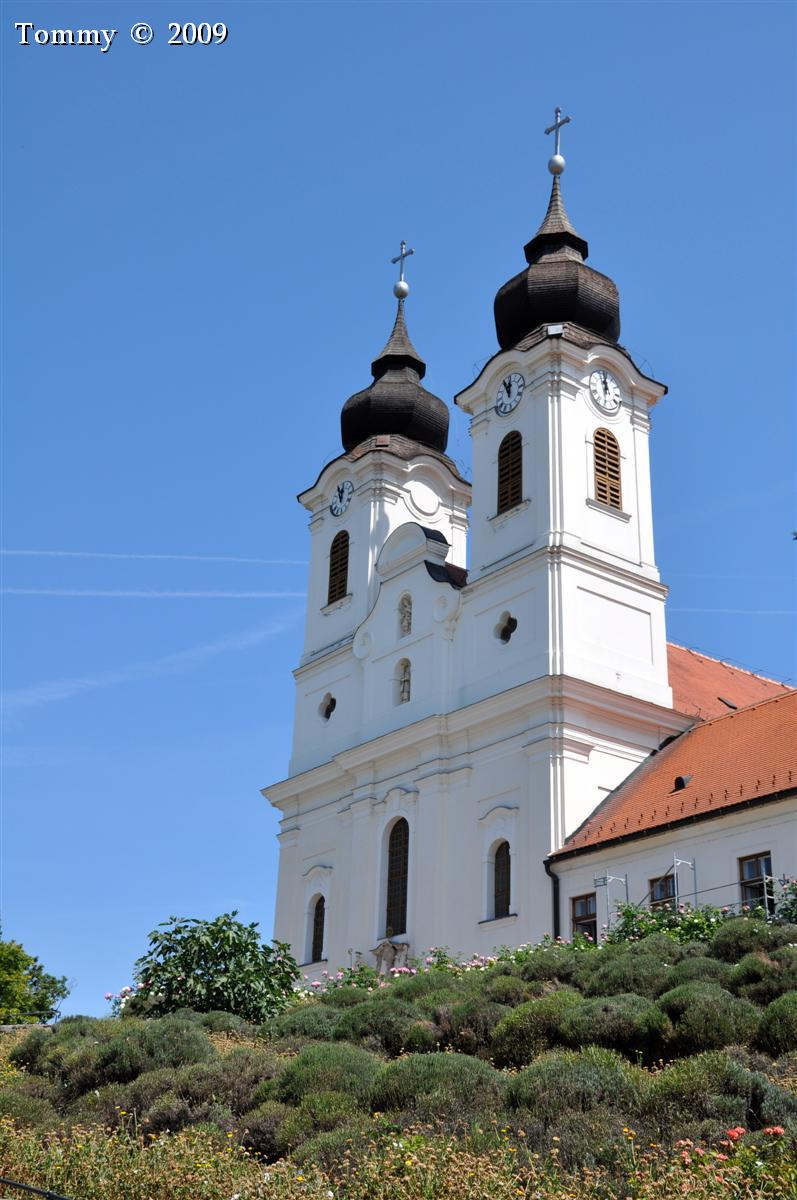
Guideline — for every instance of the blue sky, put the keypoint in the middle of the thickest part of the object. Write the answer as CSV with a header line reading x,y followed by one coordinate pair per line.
x,y
196,243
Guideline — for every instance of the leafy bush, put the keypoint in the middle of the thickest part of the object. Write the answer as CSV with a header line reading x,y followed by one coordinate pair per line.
x,y
707,1017
506,989
27,993
738,936
566,1081
329,1150
413,986
628,1023
382,1019
472,1023
212,965
777,1033
310,1021
223,1022
786,905
699,969
259,1129
683,923
640,973
27,1109
343,997
531,1028
555,963
762,978
712,1087
318,1113
423,1037
328,1068
438,1086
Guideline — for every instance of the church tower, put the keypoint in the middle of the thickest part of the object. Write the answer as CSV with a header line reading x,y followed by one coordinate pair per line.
x,y
452,728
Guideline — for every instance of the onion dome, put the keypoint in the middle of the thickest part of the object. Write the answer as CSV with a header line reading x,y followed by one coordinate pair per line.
x,y
557,286
395,403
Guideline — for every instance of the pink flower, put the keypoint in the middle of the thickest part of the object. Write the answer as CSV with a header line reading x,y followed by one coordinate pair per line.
x,y
108,996
316,983
721,1157
775,1130
735,1133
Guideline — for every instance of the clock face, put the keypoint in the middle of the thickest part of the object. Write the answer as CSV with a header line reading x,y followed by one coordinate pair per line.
x,y
605,391
341,497
509,393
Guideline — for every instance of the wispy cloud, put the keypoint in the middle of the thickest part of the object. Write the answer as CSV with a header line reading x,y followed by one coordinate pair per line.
x,y
207,558
149,594
168,664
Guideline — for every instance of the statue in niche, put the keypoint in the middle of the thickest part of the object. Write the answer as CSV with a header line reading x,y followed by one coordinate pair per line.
x,y
390,955
405,615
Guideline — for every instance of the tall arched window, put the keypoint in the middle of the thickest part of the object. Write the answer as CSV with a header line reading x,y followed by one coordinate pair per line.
x,y
319,912
607,469
510,471
398,860
338,567
501,880
403,682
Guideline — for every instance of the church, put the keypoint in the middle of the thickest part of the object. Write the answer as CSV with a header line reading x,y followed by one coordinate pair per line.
x,y
493,739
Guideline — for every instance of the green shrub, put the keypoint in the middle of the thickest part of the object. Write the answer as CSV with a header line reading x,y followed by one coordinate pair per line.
x,y
423,1037
329,1151
641,973
168,1113
472,1023
328,1068
343,997
777,1033
762,978
381,1019
712,1087
318,1113
739,936
143,1046
531,1028
707,1017
259,1129
438,1086
506,989
628,1023
413,986
567,1081
310,1021
28,1109
224,1022
555,963
698,969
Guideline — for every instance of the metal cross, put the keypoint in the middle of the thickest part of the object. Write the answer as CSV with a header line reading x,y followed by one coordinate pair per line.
x,y
557,125
405,253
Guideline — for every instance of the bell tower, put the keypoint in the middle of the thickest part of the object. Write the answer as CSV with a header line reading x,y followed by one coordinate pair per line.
x,y
560,419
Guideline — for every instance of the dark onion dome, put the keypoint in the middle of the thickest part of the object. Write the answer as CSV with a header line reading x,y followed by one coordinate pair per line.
x,y
395,403
556,286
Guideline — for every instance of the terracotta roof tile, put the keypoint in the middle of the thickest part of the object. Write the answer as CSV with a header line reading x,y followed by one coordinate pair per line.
x,y
742,757
702,685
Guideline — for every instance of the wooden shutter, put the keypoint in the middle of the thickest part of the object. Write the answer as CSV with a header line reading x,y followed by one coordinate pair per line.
x,y
319,913
607,469
398,858
510,472
501,881
338,567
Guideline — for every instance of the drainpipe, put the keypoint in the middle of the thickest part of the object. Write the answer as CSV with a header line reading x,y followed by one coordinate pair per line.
x,y
554,895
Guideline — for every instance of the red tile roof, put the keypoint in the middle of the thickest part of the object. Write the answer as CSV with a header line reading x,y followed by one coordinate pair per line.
x,y
741,758
700,684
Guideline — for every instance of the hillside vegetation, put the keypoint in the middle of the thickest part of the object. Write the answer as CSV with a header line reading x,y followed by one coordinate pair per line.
x,y
643,1068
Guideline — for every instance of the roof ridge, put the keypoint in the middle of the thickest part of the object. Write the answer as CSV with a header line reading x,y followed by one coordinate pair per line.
x,y
723,662
790,694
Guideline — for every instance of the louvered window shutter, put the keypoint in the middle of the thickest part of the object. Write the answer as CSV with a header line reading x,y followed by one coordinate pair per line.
x,y
338,567
607,469
510,472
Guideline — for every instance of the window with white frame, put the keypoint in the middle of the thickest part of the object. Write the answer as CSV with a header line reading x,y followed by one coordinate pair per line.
x,y
755,881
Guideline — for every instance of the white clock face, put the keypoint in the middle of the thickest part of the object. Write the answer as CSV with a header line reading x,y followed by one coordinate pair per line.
x,y
341,497
509,393
605,391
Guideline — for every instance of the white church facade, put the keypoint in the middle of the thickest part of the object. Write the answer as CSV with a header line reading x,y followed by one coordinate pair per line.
x,y
485,664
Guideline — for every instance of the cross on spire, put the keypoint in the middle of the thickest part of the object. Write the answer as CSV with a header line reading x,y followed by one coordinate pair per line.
x,y
404,253
556,127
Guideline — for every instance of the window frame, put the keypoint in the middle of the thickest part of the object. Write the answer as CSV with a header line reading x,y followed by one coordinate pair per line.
x,y
338,582
606,461
502,880
318,930
578,923
397,878
762,896
660,902
509,478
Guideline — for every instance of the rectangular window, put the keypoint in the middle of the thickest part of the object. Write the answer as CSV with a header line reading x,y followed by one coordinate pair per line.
x,y
583,912
662,891
755,872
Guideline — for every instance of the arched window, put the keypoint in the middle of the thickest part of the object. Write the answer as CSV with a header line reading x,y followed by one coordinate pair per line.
x,y
319,912
510,471
607,469
403,681
398,859
501,880
405,615
338,567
